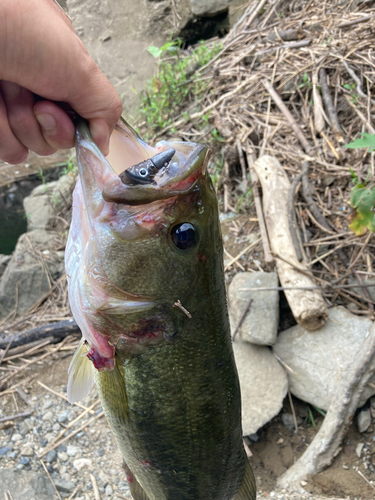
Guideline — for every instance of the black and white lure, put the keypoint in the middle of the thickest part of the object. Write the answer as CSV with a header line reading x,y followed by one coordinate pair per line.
x,y
144,172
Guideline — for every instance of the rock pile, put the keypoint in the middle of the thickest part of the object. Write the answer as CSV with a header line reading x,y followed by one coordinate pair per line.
x,y
37,261
311,364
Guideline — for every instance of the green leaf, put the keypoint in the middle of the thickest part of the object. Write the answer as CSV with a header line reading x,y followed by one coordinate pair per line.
x,y
363,200
155,51
367,141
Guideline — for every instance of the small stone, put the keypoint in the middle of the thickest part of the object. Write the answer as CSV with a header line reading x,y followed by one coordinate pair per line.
x,y
72,450
82,462
254,437
51,456
4,450
359,449
63,456
63,485
24,461
288,420
16,437
47,416
108,490
27,451
71,415
100,452
304,483
12,454
62,447
364,420
345,467
103,477
47,405
63,416
56,427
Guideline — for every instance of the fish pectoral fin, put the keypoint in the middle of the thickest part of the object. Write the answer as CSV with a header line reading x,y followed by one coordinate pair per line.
x,y
248,490
80,374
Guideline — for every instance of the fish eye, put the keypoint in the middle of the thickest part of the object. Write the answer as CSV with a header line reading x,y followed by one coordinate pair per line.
x,y
143,172
184,236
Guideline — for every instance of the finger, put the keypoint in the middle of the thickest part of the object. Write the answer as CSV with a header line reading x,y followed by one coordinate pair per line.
x,y
19,103
56,126
11,150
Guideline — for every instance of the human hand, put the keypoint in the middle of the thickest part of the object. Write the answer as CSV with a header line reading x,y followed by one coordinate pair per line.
x,y
40,54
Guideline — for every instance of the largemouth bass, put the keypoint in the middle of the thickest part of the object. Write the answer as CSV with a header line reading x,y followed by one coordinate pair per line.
x,y
146,286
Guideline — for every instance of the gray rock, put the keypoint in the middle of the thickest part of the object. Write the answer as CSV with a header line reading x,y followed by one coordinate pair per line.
x,y
63,485
320,360
63,456
261,321
364,420
16,437
24,485
38,208
108,490
63,416
51,456
26,279
27,451
288,420
72,450
4,260
209,7
47,416
359,449
264,385
44,199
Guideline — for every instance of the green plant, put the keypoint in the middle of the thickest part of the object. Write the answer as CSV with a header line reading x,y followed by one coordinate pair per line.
x,y
167,93
306,82
244,200
41,175
366,141
312,411
351,87
362,196
70,168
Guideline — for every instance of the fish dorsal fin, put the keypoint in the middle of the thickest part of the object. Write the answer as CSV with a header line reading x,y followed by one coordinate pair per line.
x,y
80,374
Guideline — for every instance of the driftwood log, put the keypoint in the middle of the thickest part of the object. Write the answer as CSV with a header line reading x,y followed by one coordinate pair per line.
x,y
308,306
58,331
326,444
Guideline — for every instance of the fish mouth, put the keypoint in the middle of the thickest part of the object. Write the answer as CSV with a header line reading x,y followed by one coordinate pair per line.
x,y
173,167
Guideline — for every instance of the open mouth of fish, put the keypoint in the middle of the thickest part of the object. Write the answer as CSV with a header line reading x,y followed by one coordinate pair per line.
x,y
135,173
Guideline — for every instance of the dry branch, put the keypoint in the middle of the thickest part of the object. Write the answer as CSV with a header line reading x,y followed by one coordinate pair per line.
x,y
308,307
330,108
288,115
327,442
58,331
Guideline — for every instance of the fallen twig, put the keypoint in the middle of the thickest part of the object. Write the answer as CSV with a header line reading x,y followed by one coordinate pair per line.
x,y
243,315
330,107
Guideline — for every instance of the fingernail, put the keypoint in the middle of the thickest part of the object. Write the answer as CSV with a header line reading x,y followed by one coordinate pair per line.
x,y
47,122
